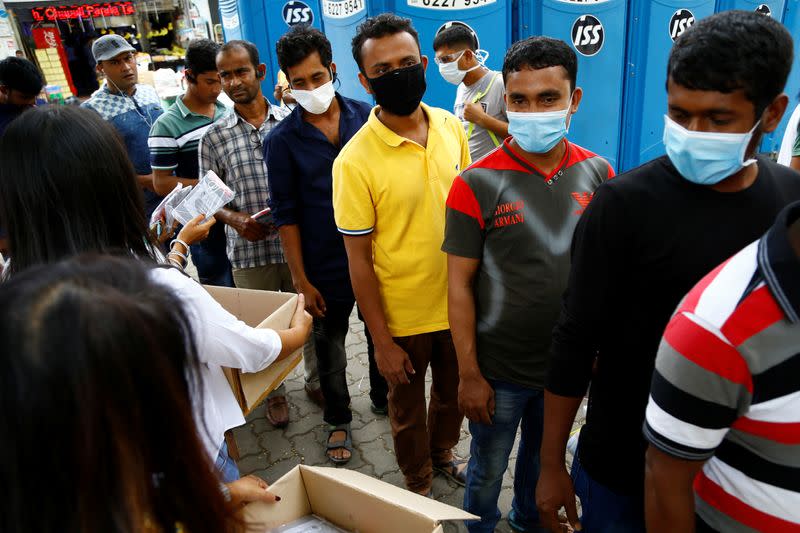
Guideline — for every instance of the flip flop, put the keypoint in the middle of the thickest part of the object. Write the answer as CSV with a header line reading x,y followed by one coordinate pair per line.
x,y
451,471
347,443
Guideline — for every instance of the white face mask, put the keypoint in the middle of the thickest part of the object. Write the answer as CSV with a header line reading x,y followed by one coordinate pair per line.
x,y
451,73
317,101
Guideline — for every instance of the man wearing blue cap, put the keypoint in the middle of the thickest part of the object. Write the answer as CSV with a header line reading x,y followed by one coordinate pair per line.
x,y
131,107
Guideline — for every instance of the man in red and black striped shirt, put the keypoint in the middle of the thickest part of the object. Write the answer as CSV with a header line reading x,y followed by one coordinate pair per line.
x,y
725,396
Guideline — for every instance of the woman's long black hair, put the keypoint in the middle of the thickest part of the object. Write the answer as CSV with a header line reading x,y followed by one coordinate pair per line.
x,y
68,187
97,374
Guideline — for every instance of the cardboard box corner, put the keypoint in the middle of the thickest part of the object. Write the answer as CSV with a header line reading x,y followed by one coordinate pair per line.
x,y
352,501
258,309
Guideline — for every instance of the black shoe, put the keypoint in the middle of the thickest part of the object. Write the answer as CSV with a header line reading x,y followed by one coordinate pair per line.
x,y
381,411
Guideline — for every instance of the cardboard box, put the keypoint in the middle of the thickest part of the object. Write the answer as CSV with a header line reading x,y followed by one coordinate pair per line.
x,y
352,501
259,309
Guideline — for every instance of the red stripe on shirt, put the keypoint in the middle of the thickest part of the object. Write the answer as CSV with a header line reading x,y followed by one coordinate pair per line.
x,y
754,314
730,505
783,432
689,303
708,351
498,159
578,154
462,199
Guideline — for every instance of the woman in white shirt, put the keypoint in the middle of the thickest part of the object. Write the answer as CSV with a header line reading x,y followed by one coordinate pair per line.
x,y
67,187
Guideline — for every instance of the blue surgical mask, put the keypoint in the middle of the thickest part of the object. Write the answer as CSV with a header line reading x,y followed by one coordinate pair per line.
x,y
703,157
538,133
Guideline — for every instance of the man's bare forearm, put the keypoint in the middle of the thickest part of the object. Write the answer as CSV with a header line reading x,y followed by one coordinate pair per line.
x,y
669,496
145,182
293,252
559,415
461,313
366,288
164,182
496,126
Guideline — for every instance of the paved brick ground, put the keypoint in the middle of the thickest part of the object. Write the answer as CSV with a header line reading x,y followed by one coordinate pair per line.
x,y
270,453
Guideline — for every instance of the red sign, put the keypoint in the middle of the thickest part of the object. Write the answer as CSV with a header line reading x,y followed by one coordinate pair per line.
x,y
51,38
109,9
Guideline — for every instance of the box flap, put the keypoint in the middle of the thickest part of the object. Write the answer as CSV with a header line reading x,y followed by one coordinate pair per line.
x,y
261,309
373,488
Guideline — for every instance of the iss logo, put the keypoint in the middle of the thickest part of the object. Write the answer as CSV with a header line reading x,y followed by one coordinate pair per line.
x,y
588,35
296,12
764,9
681,21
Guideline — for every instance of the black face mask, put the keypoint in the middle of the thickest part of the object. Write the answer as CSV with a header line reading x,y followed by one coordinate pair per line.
x,y
400,91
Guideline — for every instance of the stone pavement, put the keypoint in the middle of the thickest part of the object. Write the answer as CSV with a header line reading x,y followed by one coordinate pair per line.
x,y
269,452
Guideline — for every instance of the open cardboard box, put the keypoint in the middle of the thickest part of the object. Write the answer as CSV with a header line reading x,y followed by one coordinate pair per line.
x,y
259,309
352,501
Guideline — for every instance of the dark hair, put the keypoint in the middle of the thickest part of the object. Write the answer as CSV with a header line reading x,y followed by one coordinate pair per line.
x,y
67,187
97,374
734,50
21,75
201,56
377,27
251,49
541,52
455,34
300,42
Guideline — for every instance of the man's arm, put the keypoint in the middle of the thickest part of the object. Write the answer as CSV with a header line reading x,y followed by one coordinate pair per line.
x,y
599,244
473,112
475,395
393,362
145,181
293,252
164,181
669,498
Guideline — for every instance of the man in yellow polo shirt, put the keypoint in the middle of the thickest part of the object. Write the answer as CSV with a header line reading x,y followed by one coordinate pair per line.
x,y
390,184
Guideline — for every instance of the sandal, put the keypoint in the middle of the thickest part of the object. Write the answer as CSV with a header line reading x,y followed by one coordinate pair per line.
x,y
346,444
452,471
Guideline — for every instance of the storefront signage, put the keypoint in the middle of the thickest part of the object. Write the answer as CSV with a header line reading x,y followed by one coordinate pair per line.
x,y
86,11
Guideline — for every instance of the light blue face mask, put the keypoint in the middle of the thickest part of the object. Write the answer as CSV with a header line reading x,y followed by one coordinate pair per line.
x,y
538,133
706,158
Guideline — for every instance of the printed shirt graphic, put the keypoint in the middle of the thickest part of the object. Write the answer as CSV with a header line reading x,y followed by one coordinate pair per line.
x,y
726,389
519,223
394,189
493,102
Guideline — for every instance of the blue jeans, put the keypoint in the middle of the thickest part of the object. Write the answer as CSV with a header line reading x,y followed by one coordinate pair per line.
x,y
211,259
603,510
226,466
489,452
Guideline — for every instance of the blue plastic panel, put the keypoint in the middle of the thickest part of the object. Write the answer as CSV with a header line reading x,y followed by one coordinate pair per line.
x,y
791,18
652,27
231,22
490,19
264,21
340,19
601,60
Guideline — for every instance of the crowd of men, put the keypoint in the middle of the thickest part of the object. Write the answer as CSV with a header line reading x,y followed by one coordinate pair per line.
x,y
484,246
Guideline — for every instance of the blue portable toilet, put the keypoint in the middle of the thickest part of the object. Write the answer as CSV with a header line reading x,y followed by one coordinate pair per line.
x,y
774,9
489,19
791,19
597,32
653,26
231,23
264,21
340,18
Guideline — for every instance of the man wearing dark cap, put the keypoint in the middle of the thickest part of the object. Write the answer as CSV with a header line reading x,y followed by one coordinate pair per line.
x,y
131,107
20,83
